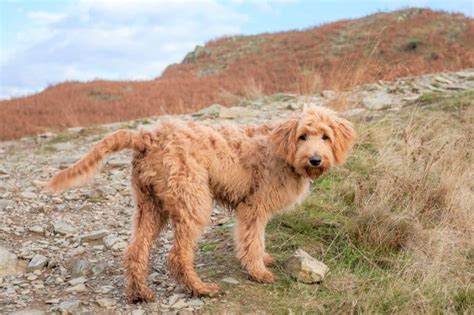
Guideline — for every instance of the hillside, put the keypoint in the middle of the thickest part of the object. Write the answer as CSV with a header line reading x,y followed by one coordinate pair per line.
x,y
332,56
394,224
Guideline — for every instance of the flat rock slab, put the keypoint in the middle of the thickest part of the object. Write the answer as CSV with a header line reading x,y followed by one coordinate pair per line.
x,y
96,235
230,280
63,228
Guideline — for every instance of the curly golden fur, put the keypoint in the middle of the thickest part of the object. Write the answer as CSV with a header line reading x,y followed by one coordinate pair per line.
x,y
182,168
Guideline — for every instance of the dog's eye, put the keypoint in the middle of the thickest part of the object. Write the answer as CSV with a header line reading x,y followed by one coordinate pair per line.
x,y
302,137
325,137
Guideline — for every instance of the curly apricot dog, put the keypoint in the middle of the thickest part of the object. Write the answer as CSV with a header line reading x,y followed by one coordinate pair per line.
x,y
181,168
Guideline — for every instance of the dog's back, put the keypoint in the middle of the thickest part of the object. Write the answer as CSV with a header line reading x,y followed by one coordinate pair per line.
x,y
226,156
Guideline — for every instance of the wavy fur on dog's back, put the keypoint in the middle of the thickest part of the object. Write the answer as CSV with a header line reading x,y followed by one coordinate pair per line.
x,y
84,170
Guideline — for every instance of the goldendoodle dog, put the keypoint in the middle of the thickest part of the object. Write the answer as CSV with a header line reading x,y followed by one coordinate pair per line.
x,y
182,168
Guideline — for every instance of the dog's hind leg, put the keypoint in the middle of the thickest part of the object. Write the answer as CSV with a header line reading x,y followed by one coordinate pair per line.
x,y
250,237
149,220
190,214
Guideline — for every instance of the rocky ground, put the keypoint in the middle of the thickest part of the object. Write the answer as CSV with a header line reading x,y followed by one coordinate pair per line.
x,y
62,253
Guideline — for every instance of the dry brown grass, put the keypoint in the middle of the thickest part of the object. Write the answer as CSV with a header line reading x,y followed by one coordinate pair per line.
x,y
334,56
418,202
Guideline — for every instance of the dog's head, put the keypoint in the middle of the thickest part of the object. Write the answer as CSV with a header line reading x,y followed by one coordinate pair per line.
x,y
314,141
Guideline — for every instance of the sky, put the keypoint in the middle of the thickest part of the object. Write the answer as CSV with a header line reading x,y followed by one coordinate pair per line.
x,y
44,42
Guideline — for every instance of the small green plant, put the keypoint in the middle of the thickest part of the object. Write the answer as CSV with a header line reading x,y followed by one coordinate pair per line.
x,y
412,45
208,246
428,98
62,137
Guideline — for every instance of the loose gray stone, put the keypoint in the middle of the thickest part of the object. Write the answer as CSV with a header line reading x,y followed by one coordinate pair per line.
x,y
305,268
110,240
78,280
77,288
96,235
118,161
68,307
36,229
138,312
180,303
107,190
3,171
175,297
66,160
105,289
31,277
105,302
63,228
81,268
230,280
98,269
195,303
28,195
77,251
36,263
119,245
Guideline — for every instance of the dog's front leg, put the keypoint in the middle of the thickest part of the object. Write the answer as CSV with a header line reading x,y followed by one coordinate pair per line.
x,y
250,242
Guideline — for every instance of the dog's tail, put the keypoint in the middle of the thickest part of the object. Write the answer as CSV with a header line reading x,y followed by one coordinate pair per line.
x,y
84,170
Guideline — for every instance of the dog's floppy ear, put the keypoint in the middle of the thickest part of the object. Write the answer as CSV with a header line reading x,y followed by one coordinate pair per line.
x,y
283,138
344,136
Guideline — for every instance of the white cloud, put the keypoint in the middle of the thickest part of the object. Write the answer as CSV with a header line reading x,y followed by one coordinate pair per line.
x,y
111,40
42,17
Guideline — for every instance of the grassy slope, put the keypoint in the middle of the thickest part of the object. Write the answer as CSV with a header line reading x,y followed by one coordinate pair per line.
x,y
394,224
335,56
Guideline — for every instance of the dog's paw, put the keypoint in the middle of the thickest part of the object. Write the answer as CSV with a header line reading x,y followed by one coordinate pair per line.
x,y
268,259
145,295
263,276
206,289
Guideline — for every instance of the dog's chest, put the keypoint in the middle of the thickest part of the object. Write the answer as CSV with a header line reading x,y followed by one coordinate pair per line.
x,y
296,195
303,192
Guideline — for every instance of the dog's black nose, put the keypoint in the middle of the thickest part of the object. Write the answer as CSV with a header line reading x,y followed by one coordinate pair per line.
x,y
315,160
